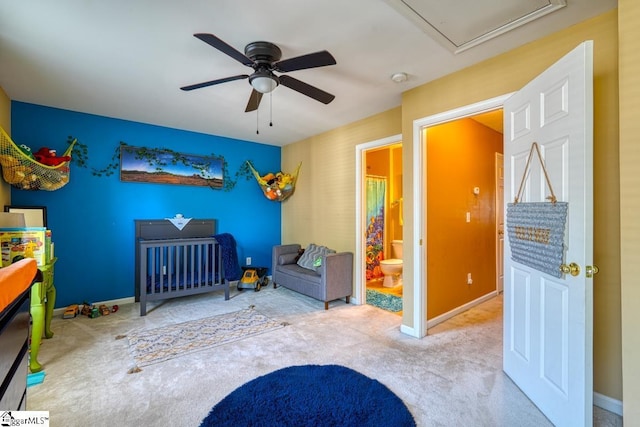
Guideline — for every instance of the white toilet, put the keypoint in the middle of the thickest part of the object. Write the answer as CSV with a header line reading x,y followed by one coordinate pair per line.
x,y
392,267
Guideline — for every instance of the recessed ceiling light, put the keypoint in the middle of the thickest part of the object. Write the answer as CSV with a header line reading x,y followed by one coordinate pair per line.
x,y
399,77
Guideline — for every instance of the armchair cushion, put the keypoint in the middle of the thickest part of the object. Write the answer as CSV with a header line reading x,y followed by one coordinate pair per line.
x,y
287,259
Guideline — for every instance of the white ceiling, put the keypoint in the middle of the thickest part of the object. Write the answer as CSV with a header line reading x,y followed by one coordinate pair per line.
x,y
127,59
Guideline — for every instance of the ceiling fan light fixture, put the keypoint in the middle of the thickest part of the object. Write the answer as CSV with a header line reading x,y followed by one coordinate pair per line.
x,y
264,58
263,82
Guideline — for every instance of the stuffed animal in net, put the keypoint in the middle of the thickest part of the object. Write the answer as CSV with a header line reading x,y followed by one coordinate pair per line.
x,y
276,186
49,157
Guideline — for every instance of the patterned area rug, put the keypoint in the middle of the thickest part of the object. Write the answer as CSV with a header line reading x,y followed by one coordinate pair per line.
x,y
384,301
160,344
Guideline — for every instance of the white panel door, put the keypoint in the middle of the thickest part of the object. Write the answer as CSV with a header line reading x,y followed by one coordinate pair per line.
x,y
548,321
499,173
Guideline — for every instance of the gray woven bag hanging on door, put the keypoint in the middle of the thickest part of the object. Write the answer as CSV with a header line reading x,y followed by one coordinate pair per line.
x,y
536,230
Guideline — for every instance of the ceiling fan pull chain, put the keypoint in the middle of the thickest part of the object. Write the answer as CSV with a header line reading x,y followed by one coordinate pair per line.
x,y
257,122
270,108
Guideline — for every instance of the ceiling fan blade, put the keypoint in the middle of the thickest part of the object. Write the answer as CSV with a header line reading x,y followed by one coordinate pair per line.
x,y
311,60
214,82
306,89
254,101
224,48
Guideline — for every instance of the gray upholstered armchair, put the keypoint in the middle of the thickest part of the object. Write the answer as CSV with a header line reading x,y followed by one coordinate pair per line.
x,y
331,280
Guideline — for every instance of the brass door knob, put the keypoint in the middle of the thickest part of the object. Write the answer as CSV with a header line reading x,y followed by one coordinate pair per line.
x,y
591,270
573,269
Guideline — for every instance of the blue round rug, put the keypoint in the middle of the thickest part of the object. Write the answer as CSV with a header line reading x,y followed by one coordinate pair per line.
x,y
311,395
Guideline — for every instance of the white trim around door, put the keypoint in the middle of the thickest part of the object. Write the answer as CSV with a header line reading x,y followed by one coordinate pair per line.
x,y
417,242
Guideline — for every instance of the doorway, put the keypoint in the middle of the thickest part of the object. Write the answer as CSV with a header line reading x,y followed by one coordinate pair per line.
x,y
461,212
548,320
417,241
389,177
383,227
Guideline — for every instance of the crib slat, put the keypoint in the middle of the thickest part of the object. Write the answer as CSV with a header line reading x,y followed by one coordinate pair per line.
x,y
172,268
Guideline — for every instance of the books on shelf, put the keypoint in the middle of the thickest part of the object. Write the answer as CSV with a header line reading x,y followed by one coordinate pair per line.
x,y
27,242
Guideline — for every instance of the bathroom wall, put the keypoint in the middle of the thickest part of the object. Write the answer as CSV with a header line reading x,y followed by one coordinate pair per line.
x,y
460,156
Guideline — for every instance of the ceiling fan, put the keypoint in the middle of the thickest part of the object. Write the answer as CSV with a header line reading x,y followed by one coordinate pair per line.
x,y
264,58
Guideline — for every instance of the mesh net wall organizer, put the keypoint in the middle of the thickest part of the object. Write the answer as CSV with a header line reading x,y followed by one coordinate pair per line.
x,y
276,186
25,173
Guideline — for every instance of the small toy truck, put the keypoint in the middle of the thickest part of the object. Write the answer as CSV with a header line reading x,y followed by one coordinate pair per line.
x,y
71,311
253,278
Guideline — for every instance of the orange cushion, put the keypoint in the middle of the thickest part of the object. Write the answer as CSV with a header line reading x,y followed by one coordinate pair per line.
x,y
15,278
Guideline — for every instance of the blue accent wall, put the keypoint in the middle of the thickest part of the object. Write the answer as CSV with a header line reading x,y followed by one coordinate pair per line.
x,y
92,217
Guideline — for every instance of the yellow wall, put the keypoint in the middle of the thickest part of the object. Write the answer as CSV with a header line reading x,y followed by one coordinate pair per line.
x,y
460,156
508,72
629,35
323,209
5,123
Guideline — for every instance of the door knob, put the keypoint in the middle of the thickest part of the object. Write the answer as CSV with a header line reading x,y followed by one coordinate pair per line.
x,y
573,269
591,270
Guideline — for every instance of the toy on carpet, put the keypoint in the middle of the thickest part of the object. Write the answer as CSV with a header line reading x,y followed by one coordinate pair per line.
x,y
104,310
71,311
86,309
254,278
92,310
35,378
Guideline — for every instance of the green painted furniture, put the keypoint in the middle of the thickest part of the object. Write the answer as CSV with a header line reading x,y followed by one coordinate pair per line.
x,y
43,299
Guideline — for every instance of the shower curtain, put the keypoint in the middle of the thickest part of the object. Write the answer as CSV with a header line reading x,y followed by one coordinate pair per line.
x,y
375,194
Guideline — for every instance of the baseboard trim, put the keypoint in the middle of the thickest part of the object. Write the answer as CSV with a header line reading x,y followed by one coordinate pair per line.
x,y
448,315
409,331
607,403
110,303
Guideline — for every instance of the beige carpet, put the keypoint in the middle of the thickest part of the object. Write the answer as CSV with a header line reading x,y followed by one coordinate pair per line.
x,y
452,377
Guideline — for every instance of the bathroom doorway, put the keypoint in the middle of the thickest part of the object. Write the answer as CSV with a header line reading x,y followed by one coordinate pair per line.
x,y
378,250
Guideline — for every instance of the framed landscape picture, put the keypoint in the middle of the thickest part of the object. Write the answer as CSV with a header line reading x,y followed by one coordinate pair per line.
x,y
168,167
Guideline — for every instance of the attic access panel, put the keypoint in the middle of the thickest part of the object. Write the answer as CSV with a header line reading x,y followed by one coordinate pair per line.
x,y
461,24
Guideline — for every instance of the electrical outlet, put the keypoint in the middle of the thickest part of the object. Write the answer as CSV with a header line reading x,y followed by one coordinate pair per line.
x,y
469,279
248,261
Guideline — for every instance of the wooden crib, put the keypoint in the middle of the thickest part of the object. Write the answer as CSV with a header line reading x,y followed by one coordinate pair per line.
x,y
177,266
